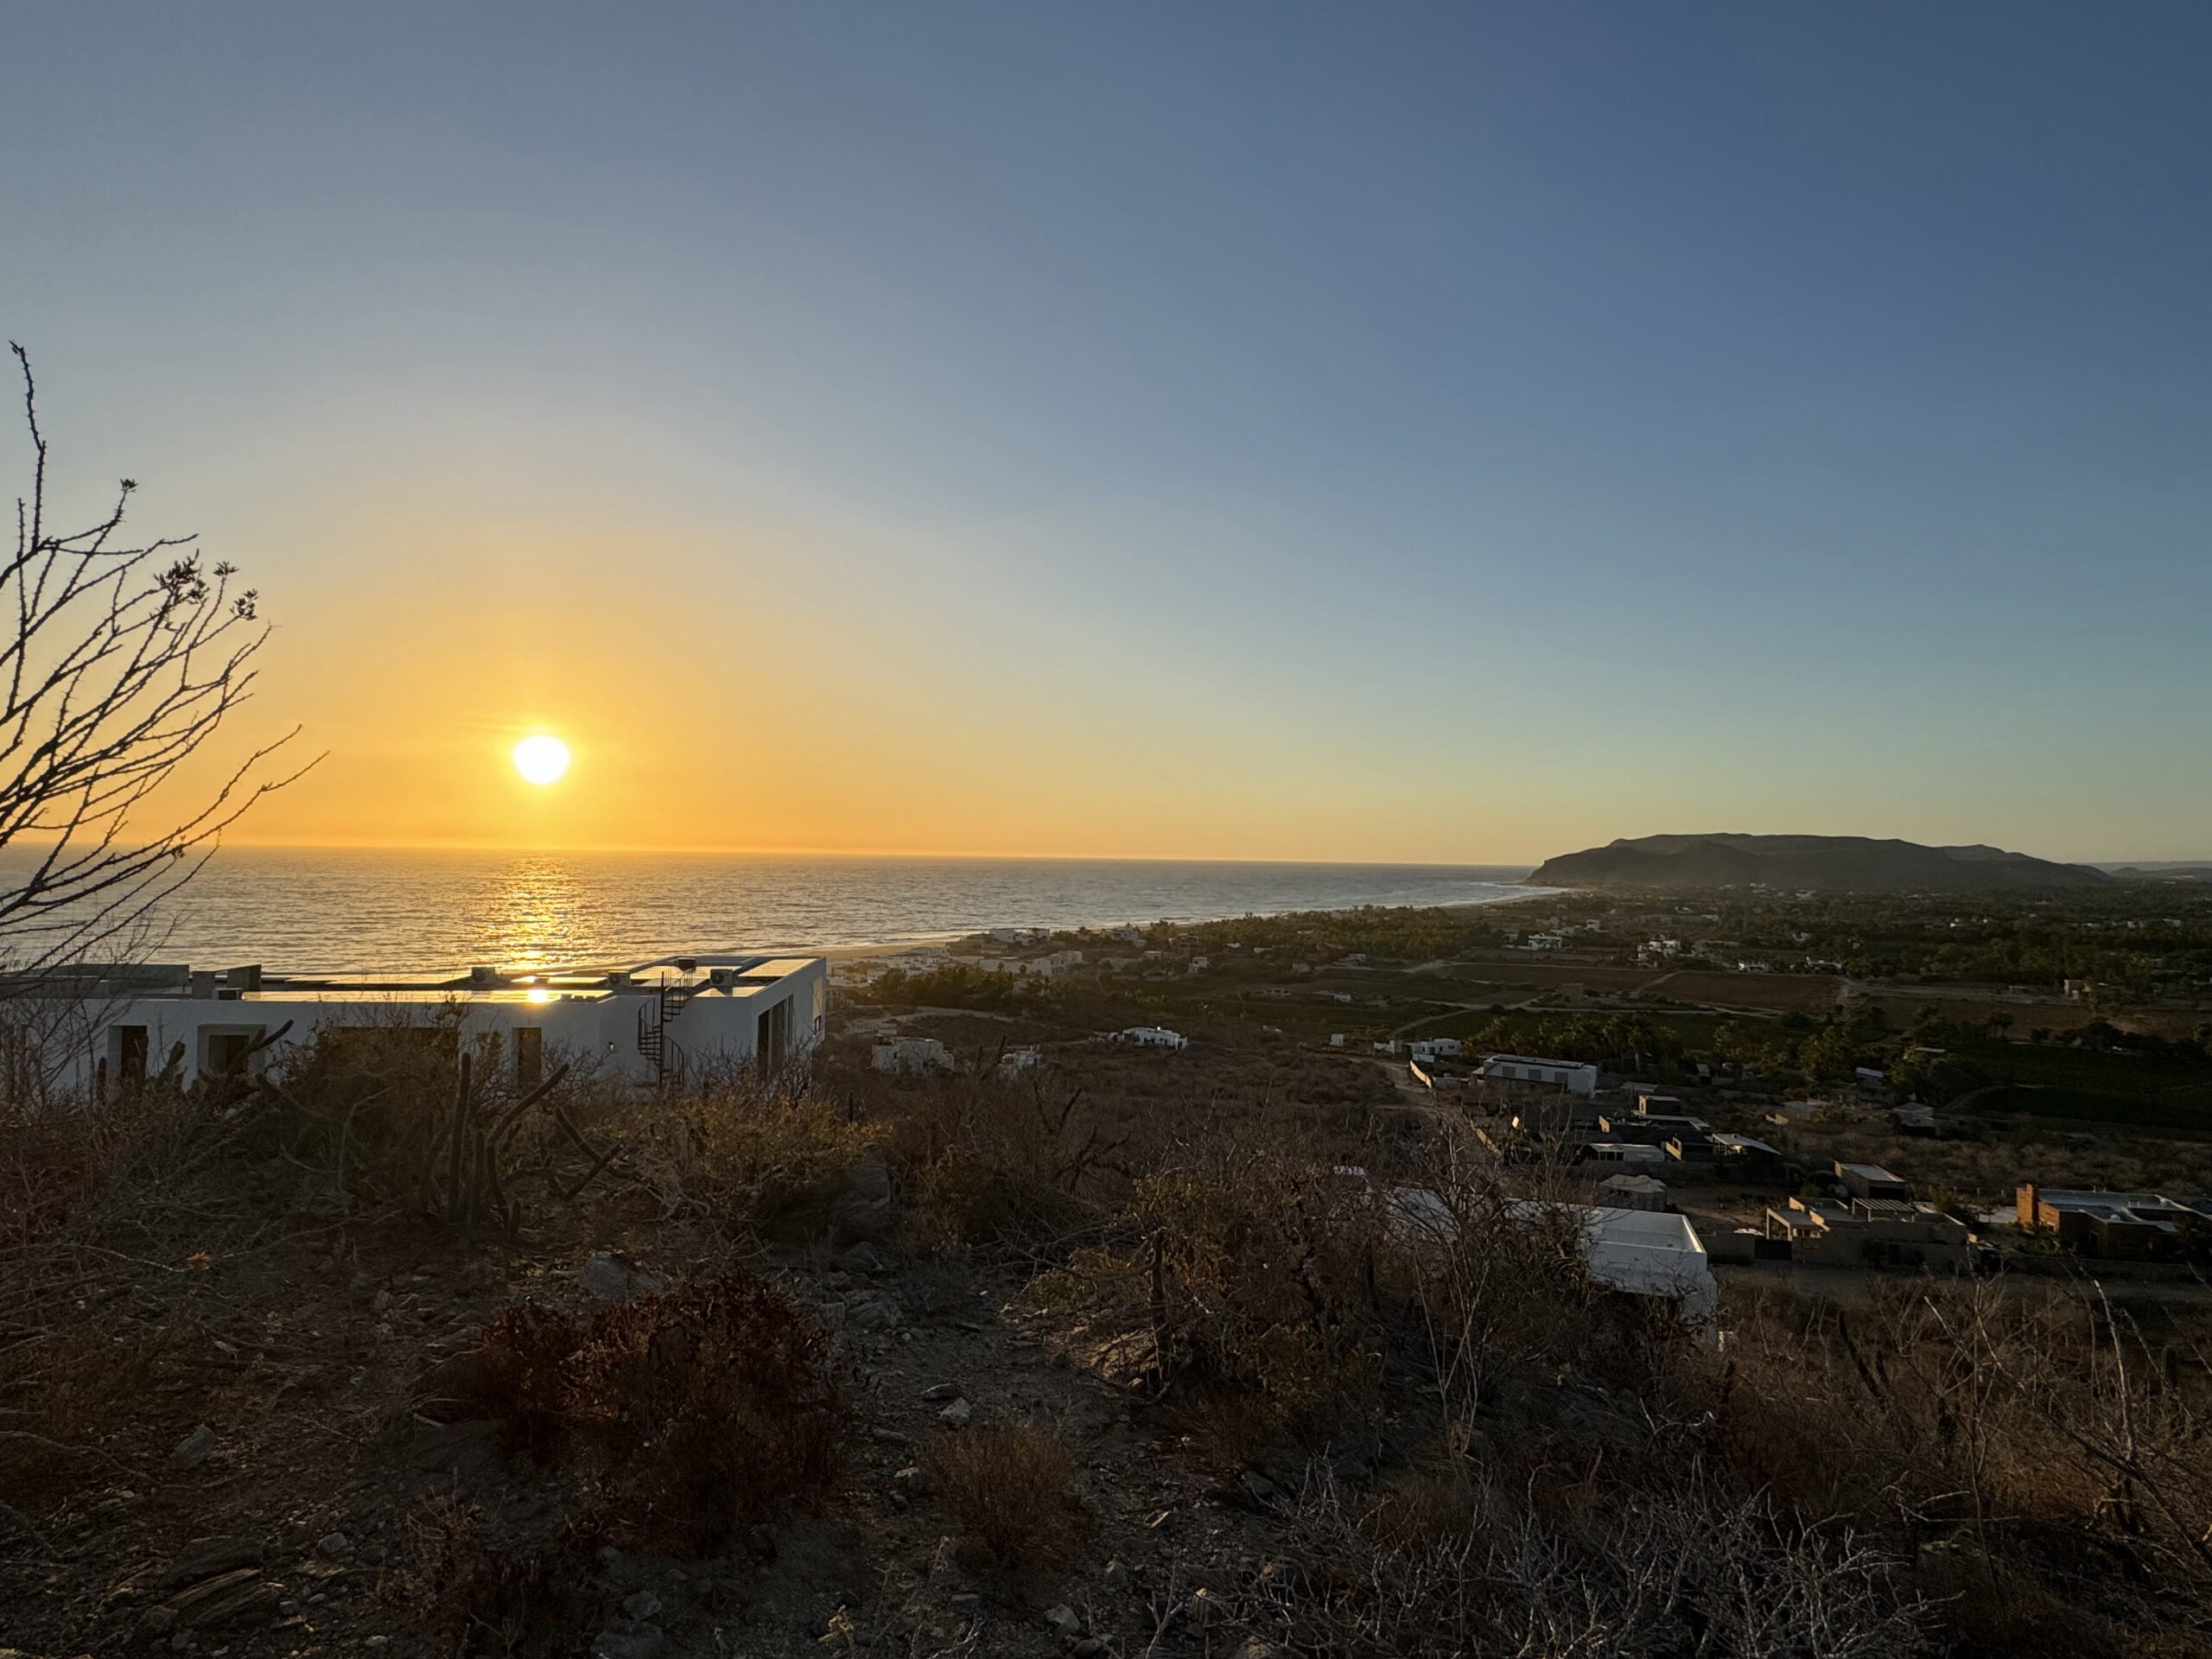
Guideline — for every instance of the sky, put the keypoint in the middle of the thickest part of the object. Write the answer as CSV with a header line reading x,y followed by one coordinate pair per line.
x,y
1408,433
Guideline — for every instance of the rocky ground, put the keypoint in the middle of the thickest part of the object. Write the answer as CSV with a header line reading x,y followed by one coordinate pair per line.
x,y
259,1476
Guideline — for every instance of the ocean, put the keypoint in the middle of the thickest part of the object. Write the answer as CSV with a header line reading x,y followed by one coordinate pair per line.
x,y
299,911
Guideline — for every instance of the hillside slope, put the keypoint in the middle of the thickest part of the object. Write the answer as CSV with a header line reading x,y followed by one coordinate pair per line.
x,y
1847,863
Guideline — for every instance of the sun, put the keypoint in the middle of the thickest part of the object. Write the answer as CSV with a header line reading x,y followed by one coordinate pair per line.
x,y
542,760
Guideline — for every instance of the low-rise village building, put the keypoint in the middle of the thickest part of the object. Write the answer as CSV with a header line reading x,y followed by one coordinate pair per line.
x,y
1624,1152
1872,1181
1652,1128
1152,1037
2120,1226
1739,1157
1632,1192
1574,1077
1877,1233
912,1056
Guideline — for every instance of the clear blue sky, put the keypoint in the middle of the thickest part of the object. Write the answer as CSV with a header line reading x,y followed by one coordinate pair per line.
x,y
1285,430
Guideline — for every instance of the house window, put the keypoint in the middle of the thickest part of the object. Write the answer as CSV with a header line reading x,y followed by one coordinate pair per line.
x,y
772,1040
126,1057
530,1056
225,1053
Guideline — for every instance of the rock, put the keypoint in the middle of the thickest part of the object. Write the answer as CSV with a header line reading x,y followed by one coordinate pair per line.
x,y
194,1448
1118,1576
611,1280
644,1607
1064,1619
864,1257
623,1640
228,1599
1088,1646
873,1312
937,1393
1254,1490
863,1210
335,1547
448,1390
911,1482
479,1274
204,1558
159,1621
957,1414
381,1301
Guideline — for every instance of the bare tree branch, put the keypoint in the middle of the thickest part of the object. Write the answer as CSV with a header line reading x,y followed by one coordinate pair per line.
x,y
126,659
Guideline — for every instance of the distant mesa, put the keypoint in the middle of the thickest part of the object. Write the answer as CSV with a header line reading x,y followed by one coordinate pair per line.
x,y
1838,863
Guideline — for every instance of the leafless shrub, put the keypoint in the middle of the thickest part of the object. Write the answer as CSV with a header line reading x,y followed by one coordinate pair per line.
x,y
1013,1489
690,1414
1681,1572
758,1153
2028,1437
477,1598
421,1115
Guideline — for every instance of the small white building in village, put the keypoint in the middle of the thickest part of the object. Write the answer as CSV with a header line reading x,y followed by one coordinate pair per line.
x,y
653,1023
1152,1037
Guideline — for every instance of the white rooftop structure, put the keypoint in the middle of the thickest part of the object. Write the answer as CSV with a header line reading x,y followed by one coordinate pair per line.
x,y
1645,1253
1642,1252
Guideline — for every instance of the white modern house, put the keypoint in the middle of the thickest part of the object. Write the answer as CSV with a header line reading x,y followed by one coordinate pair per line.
x,y
654,1023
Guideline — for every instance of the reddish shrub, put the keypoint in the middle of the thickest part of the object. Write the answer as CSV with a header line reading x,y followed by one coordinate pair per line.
x,y
693,1413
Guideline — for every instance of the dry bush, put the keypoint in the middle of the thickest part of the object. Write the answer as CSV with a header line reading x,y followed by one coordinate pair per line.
x,y
58,1156
690,1414
1260,1285
1013,1489
1612,1575
753,1151
2035,1439
62,1394
477,1598
1017,1164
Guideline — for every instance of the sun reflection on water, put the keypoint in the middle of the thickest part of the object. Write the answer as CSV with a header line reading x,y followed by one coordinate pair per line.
x,y
536,914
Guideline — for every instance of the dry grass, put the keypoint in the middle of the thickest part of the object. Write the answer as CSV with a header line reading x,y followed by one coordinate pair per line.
x,y
1013,1489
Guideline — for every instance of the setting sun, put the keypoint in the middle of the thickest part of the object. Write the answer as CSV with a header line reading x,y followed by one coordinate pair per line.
x,y
542,760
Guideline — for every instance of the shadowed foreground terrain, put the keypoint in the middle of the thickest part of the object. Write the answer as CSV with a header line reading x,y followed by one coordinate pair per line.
x,y
1120,1353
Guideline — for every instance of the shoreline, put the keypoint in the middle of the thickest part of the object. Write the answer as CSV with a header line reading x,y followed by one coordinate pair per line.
x,y
921,942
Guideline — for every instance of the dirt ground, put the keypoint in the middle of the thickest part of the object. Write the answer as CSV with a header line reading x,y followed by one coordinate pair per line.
x,y
255,1477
